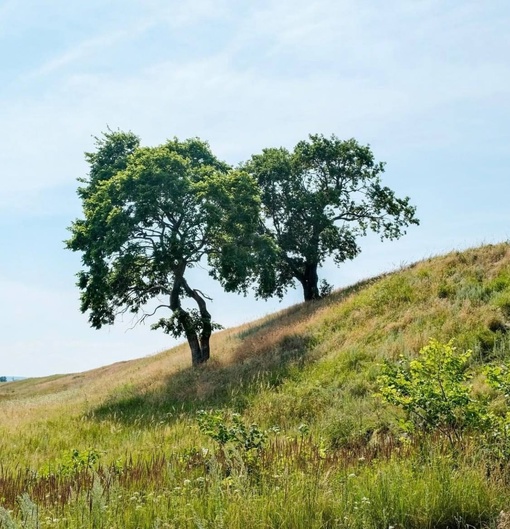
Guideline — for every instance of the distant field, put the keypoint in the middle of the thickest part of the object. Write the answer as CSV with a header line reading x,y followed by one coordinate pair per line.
x,y
283,428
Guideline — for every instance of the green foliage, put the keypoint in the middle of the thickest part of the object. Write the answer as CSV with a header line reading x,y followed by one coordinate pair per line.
x,y
317,201
435,393
432,390
497,435
173,327
325,288
235,432
241,445
498,377
150,214
75,462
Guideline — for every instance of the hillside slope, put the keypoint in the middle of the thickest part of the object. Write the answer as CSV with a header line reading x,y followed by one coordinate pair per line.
x,y
311,368
301,351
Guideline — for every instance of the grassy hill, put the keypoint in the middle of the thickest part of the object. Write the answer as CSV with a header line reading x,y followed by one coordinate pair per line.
x,y
293,434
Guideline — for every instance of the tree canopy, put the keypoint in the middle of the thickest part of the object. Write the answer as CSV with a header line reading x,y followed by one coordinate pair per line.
x,y
151,213
317,201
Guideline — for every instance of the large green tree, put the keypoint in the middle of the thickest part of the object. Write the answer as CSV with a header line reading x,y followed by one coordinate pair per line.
x,y
317,201
150,214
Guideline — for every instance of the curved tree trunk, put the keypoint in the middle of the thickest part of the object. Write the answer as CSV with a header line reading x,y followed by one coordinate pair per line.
x,y
205,316
200,350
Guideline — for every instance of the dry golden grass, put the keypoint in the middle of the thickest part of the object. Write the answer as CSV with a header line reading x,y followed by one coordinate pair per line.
x,y
382,317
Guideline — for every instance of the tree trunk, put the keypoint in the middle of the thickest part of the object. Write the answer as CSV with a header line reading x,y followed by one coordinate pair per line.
x,y
199,348
206,321
196,349
310,281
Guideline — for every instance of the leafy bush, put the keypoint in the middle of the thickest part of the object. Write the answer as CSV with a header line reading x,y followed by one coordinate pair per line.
x,y
435,393
497,436
239,442
216,425
75,462
433,390
498,377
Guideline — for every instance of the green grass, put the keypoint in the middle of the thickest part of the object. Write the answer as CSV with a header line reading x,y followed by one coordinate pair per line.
x,y
340,458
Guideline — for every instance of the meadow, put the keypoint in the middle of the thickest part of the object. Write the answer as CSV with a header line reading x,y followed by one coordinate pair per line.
x,y
285,427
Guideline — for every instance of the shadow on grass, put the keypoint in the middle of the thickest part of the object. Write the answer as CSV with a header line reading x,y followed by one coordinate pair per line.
x,y
209,386
269,352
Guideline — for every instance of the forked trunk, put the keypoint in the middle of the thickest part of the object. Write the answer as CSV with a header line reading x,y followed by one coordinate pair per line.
x,y
205,320
200,349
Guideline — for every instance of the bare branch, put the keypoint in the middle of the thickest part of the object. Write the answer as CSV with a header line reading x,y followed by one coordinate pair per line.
x,y
146,315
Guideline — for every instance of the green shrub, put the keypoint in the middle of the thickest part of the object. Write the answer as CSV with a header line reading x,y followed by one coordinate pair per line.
x,y
432,390
216,425
74,463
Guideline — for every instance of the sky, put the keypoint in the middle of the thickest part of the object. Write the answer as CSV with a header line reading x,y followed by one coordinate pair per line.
x,y
426,83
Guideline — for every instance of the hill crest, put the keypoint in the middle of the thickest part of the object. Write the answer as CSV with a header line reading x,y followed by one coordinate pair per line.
x,y
462,295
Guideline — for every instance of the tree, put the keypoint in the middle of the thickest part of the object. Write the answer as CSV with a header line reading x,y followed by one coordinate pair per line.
x,y
317,201
3,379
150,214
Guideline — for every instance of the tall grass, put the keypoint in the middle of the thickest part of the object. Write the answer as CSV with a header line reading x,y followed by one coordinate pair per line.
x,y
340,458
296,485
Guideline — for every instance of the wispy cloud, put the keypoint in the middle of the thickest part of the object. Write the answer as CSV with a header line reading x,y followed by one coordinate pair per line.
x,y
88,48
78,53
151,14
286,69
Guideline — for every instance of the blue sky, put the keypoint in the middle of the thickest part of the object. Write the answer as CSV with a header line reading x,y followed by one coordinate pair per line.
x,y
425,83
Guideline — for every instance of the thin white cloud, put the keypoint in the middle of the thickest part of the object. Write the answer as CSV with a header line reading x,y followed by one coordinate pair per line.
x,y
239,111
174,15
79,52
